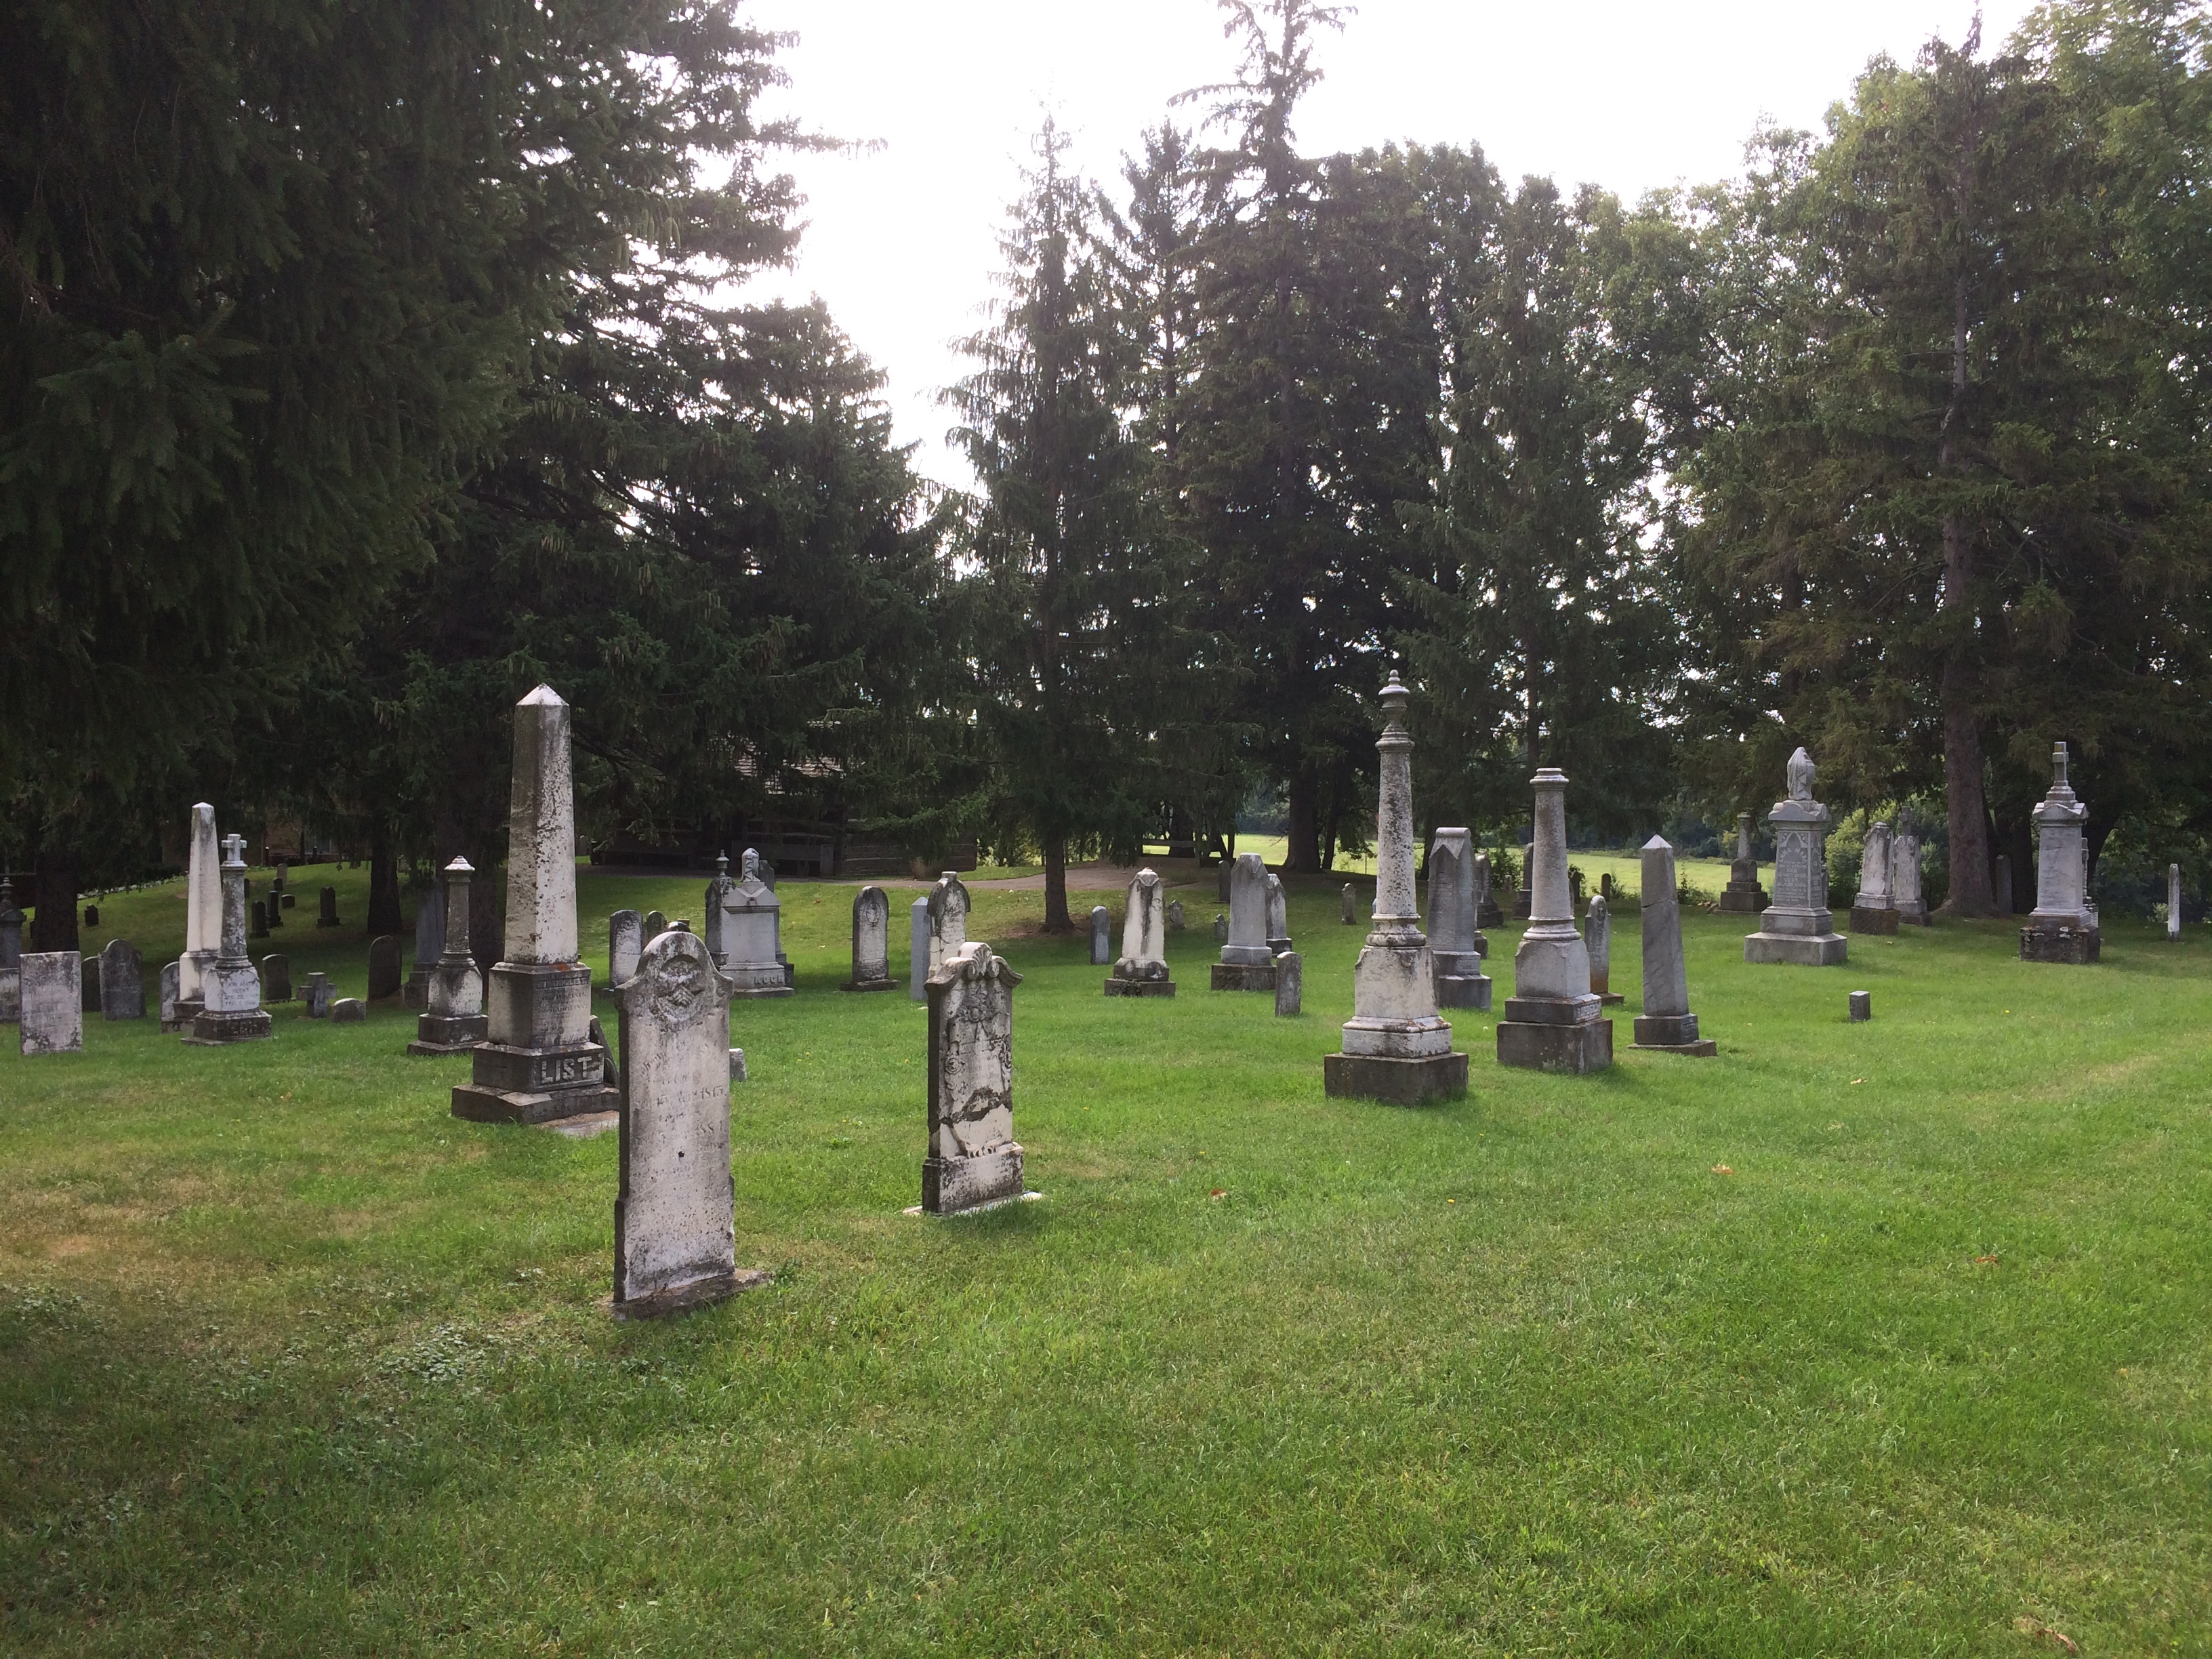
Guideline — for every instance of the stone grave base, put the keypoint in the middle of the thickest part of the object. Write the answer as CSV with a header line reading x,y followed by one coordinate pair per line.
x,y
1580,1048
209,1030
186,1013
699,1293
481,1103
869,985
448,1034
1915,918
757,993
1670,1034
950,1185
1807,950
1489,915
1399,1082
1744,901
2075,945
585,1126
1463,991
1865,921
1244,975
1610,999
1144,987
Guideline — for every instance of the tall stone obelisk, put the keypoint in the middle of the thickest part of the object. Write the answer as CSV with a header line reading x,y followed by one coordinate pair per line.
x,y
203,915
1396,1046
1553,1019
538,1062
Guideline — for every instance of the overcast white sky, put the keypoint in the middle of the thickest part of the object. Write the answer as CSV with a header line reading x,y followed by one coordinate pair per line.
x,y
1633,95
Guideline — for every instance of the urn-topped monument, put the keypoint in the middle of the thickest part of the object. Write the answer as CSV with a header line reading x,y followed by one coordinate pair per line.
x,y
1396,1046
2062,928
1798,926
537,1063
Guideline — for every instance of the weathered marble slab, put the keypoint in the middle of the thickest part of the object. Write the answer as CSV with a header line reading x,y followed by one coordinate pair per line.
x,y
122,981
52,996
625,943
872,941
1142,970
974,1160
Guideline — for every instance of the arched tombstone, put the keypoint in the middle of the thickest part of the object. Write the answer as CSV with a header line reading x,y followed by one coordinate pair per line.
x,y
675,1210
948,920
122,982
1247,963
871,942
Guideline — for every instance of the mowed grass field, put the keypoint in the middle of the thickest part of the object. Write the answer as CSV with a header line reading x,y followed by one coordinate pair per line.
x,y
1883,1338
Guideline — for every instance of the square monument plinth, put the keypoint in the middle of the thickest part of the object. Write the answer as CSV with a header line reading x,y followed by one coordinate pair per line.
x,y
1244,975
443,1034
2076,946
1822,950
1581,1048
245,1025
1671,1034
1866,921
1145,987
1398,1082
1461,983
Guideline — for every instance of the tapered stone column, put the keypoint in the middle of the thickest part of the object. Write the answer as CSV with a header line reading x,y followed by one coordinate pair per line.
x,y
202,916
538,1062
1396,1046
453,1021
1666,1025
1553,1021
231,1009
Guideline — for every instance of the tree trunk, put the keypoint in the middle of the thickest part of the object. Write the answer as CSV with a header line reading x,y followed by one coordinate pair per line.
x,y
1964,798
1056,919
54,922
1302,853
384,915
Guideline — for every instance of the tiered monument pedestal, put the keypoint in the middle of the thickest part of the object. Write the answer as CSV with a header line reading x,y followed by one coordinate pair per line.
x,y
1118,986
1818,948
2078,946
1555,1033
1671,1034
1744,896
554,1070
1461,983
448,1034
247,1025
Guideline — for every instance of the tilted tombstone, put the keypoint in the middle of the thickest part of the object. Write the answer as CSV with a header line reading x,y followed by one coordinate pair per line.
x,y
1102,936
2173,902
1247,963
918,949
168,994
1743,895
1798,927
752,928
2063,926
231,1010
537,1063
1289,984
1597,940
52,1003
1665,1024
452,1019
326,913
317,996
1278,917
383,979
122,982
1904,872
276,979
1142,970
429,942
1872,911
1461,983
717,893
625,944
871,942
12,955
675,1208
974,1160
1397,1047
1553,1021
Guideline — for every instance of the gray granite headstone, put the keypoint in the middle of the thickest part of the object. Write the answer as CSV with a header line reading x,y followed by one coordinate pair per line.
x,y
54,1002
171,972
2064,926
349,1010
203,913
260,929
1351,916
918,960
122,982
1221,929
1666,1023
276,978
1176,920
1247,963
1289,984
656,924
1278,917
12,955
2000,883
948,919
1102,936
383,967
1862,1007
675,1214
872,941
1455,946
626,942
1798,927
974,1158
326,913
317,996
92,915
430,941
1597,940
1904,872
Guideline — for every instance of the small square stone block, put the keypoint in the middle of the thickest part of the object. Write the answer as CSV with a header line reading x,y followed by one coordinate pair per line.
x,y
1398,1082
1863,1003
1244,976
1865,921
1140,987
1579,1049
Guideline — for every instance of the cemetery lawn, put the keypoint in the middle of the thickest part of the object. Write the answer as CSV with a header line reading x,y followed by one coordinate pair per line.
x,y
1885,1339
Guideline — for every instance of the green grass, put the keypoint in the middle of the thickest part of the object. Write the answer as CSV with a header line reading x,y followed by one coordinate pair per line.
x,y
293,1362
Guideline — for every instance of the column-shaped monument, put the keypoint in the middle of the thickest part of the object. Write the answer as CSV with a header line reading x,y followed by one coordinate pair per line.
x,y
2062,928
1666,1025
1396,1046
1455,946
1873,910
1142,970
1743,894
452,1018
1798,927
203,915
1553,1021
1247,963
538,1062
230,988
